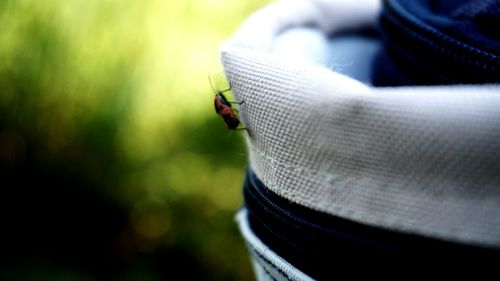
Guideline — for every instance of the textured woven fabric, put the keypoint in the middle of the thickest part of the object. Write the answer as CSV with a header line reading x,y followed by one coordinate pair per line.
x,y
424,160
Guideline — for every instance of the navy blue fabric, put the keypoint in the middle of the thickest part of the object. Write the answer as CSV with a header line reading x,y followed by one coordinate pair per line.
x,y
439,42
313,241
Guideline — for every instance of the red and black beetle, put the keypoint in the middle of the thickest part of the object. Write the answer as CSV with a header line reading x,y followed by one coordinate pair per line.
x,y
225,110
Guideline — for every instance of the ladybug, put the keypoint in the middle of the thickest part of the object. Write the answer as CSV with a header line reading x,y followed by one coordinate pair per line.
x,y
225,110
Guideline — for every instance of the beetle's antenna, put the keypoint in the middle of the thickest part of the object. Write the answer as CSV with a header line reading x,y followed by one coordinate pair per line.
x,y
211,85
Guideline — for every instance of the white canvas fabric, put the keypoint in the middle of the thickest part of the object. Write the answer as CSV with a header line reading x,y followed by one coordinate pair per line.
x,y
423,160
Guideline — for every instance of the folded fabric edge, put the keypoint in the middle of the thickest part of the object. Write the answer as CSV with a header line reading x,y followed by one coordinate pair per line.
x,y
264,255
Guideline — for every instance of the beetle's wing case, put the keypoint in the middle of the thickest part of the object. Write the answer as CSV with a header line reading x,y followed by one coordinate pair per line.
x,y
218,104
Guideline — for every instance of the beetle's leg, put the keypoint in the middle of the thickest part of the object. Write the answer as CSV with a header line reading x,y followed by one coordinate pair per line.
x,y
248,131
226,90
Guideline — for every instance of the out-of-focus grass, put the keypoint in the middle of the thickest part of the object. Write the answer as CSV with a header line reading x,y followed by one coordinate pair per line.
x,y
110,99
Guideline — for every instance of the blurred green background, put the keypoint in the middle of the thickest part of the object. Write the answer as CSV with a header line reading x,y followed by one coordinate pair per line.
x,y
113,163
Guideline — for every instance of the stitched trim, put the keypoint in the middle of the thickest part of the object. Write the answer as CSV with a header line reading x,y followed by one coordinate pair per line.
x,y
264,259
253,242
294,168
264,268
